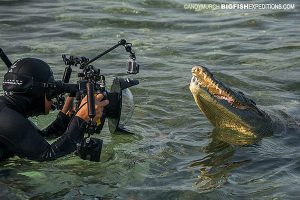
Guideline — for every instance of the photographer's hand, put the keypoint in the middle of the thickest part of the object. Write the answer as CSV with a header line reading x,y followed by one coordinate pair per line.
x,y
99,106
68,108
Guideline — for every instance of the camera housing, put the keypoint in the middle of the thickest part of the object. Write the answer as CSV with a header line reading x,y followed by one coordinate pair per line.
x,y
90,149
114,108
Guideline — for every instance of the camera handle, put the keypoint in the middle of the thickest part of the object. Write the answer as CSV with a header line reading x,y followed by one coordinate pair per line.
x,y
90,99
90,148
92,126
65,79
67,74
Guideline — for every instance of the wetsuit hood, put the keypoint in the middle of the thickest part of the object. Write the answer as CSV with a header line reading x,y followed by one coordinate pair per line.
x,y
24,85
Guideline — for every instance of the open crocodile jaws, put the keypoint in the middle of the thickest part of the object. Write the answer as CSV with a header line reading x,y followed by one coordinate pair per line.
x,y
226,108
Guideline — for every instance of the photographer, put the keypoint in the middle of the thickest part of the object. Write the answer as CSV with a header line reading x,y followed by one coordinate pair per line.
x,y
27,94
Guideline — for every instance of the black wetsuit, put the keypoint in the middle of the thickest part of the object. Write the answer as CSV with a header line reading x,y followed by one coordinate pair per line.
x,y
19,136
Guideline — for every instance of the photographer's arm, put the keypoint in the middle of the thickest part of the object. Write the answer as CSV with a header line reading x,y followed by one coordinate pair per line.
x,y
67,143
24,139
60,124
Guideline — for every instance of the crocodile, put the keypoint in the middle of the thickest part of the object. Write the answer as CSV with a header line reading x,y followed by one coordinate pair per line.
x,y
231,110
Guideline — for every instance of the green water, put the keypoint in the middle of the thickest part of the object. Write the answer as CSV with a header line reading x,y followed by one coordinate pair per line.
x,y
175,154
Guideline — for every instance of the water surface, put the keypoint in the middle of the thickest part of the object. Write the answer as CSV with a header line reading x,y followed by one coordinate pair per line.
x,y
175,153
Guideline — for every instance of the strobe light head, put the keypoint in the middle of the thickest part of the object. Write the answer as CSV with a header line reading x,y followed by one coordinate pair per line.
x,y
120,101
133,66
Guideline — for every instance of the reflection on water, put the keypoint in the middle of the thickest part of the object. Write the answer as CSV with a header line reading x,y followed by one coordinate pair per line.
x,y
175,153
233,137
216,166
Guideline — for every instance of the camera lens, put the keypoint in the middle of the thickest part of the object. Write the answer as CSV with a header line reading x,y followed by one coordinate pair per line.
x,y
127,106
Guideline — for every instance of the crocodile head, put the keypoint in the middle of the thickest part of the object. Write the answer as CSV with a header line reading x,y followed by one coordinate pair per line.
x,y
225,107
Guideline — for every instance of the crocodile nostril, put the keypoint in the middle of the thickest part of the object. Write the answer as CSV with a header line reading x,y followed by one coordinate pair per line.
x,y
194,69
197,70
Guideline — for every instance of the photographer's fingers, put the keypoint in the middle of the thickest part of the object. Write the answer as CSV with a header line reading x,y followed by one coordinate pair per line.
x,y
68,104
83,101
99,97
99,113
101,103
99,107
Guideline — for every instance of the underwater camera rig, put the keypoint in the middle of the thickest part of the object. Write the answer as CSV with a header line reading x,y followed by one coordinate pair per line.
x,y
90,82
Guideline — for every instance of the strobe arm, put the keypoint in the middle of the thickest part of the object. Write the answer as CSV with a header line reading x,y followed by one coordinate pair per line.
x,y
5,59
121,42
133,66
